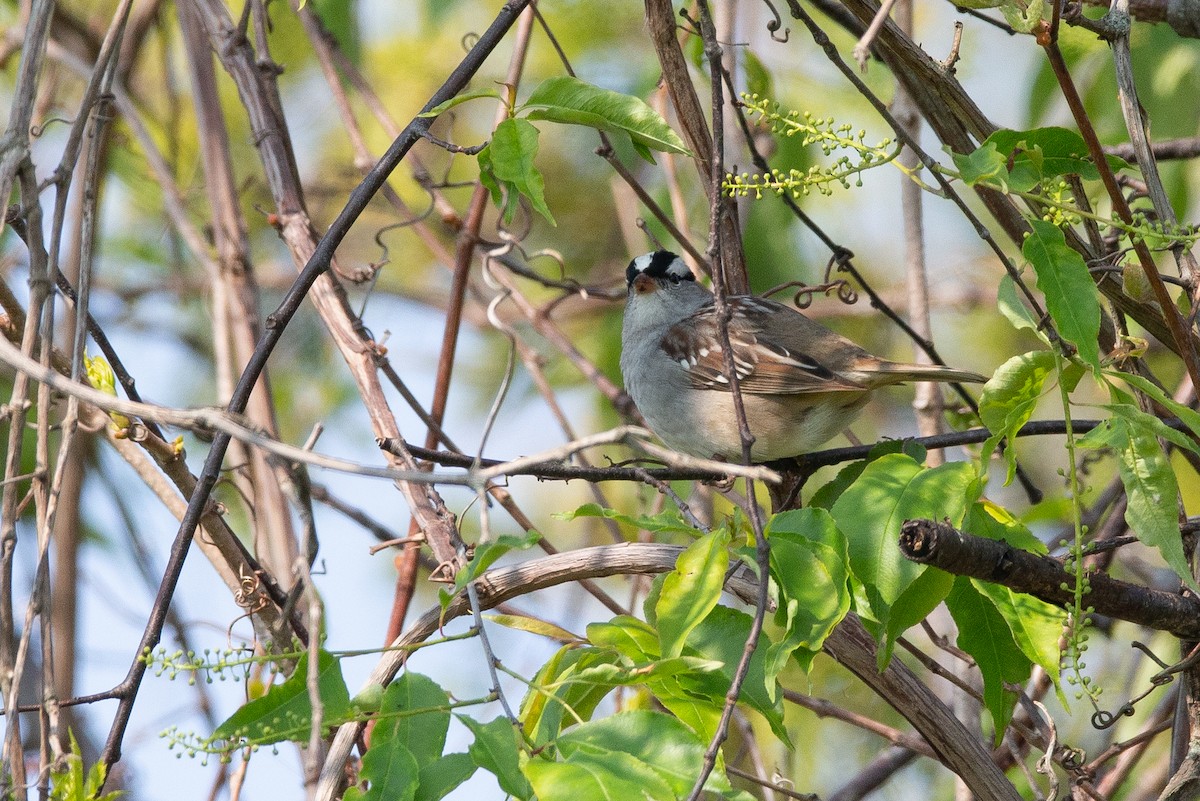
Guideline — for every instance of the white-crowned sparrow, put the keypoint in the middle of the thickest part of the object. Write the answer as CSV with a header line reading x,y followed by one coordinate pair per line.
x,y
801,383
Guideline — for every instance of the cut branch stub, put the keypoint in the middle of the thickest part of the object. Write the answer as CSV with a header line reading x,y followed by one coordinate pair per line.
x,y
945,547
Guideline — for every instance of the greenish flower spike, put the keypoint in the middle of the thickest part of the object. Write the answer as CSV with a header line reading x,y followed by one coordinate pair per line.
x,y
826,134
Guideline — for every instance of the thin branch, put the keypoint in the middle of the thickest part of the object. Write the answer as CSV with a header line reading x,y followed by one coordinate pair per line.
x,y
729,276
1180,338
317,265
503,584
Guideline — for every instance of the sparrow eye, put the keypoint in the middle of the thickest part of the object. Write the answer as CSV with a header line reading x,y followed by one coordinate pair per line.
x,y
674,279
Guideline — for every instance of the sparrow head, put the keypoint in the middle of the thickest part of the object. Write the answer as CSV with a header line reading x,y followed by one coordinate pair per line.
x,y
653,271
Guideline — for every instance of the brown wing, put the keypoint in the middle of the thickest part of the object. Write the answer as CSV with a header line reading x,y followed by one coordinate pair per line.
x,y
763,367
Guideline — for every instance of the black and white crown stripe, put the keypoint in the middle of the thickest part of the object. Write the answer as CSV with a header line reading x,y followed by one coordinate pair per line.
x,y
659,264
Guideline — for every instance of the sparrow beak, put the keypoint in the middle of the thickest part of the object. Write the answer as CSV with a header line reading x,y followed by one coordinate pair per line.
x,y
644,284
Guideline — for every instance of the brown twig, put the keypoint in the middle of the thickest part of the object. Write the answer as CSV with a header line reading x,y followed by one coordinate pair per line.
x,y
1181,339
318,262
728,276
943,546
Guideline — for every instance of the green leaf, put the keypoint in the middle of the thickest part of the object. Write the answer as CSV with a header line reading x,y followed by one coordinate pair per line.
x,y
568,100
1008,400
68,782
392,771
891,490
285,712
630,637
1014,310
984,634
810,565
1036,626
445,106
721,637
659,741
508,162
438,779
1149,424
487,554
1063,279
1152,510
695,707
623,673
543,628
914,605
1046,152
1189,416
497,749
758,77
556,698
416,713
987,519
668,520
586,776
691,590
985,164
827,495
1021,16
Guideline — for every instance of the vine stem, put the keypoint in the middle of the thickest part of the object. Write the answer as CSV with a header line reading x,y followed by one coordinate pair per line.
x,y
1076,614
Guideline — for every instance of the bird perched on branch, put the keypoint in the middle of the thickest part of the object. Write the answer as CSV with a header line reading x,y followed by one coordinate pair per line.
x,y
800,382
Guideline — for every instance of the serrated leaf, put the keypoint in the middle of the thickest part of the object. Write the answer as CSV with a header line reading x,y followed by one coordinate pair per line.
x,y
984,634
569,100
1036,627
1008,400
1152,511
392,771
809,563
690,591
438,779
985,164
891,490
586,776
1063,279
285,712
507,162
497,749
415,712
660,741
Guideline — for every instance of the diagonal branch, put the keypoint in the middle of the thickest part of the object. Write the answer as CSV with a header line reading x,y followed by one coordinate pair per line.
x,y
316,265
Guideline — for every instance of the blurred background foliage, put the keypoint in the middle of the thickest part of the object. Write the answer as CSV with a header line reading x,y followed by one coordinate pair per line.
x,y
152,298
